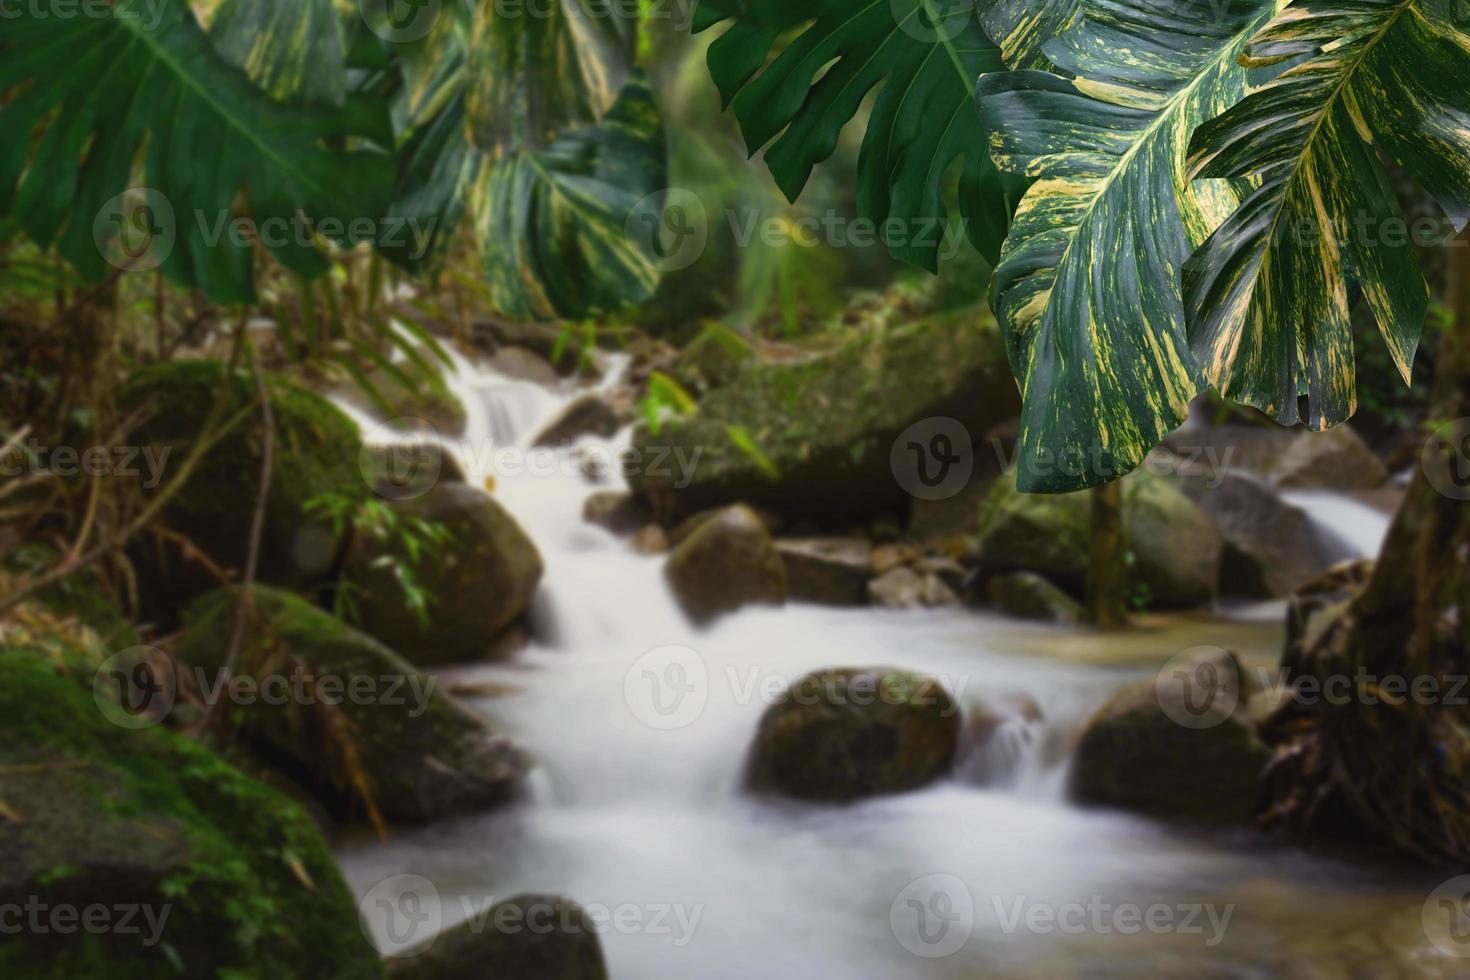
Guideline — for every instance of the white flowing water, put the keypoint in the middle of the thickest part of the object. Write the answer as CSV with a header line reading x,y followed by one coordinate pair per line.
x,y
1356,529
639,724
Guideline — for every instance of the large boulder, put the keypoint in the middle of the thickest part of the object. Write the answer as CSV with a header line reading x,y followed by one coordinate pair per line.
x,y
843,734
357,719
194,868
315,457
827,571
1175,548
1337,459
726,562
825,424
528,937
1181,746
479,575
1272,547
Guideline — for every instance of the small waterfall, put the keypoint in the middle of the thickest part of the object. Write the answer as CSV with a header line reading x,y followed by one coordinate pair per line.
x,y
1351,528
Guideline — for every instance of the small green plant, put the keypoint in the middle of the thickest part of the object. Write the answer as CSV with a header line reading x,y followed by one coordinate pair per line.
x,y
396,534
666,399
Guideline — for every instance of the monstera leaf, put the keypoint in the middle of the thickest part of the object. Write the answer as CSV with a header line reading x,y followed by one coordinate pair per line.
x,y
1269,294
542,71
554,222
1088,286
925,55
294,49
1023,27
94,91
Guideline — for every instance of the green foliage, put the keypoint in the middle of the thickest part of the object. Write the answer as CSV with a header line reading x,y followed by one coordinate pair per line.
x,y
146,79
665,399
923,121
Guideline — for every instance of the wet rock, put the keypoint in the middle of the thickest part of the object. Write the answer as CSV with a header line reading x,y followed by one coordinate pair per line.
x,y
617,510
1027,595
1175,749
828,571
1337,459
1175,547
726,562
1316,606
401,470
841,735
651,540
545,340
422,754
825,423
420,407
224,875
480,578
1271,547
528,937
887,557
1230,448
524,365
905,588
589,415
995,738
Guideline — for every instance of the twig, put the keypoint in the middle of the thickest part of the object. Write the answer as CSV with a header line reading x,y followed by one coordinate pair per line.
x,y
257,526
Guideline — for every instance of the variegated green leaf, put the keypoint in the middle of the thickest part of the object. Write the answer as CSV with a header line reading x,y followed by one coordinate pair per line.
x,y
142,91
1269,294
540,70
1088,287
553,223
294,49
925,56
1023,27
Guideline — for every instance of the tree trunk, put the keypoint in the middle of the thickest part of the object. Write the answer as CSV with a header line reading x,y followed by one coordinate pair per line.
x,y
1401,763
1106,565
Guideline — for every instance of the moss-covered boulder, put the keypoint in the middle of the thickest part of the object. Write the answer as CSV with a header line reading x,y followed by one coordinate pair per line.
x,y
825,424
420,406
1027,595
1180,750
844,734
346,716
727,562
224,876
478,579
1174,547
528,937
315,455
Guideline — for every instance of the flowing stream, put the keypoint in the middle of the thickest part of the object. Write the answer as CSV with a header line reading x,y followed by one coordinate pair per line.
x,y
640,723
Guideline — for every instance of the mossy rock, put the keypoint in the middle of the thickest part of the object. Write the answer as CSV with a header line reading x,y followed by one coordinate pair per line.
x,y
421,753
841,735
1151,750
1027,595
727,561
315,453
420,407
825,424
528,937
1174,547
238,879
479,581
80,596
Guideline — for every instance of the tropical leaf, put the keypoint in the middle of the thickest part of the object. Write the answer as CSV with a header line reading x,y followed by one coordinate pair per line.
x,y
925,55
540,71
1088,286
94,91
1270,293
553,223
1023,27
296,50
